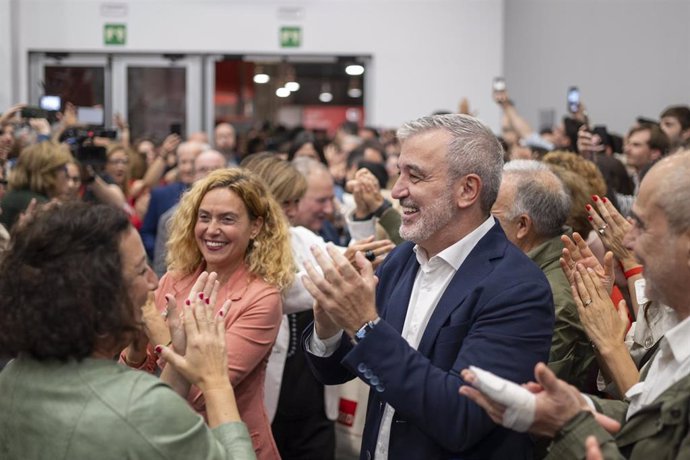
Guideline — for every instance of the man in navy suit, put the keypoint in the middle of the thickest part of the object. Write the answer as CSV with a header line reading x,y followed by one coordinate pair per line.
x,y
166,196
457,294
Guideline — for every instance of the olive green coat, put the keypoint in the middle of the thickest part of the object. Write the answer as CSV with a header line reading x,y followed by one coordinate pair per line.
x,y
571,356
658,431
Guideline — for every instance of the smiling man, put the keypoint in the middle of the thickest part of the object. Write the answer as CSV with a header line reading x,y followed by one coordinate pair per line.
x,y
654,415
457,293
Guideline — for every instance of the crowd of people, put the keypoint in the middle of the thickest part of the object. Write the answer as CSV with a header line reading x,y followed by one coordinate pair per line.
x,y
203,297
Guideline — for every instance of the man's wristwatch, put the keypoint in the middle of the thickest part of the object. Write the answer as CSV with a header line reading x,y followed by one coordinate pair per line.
x,y
364,330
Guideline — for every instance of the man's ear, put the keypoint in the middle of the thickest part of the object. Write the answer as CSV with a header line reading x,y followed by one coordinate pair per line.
x,y
685,134
468,190
524,226
656,154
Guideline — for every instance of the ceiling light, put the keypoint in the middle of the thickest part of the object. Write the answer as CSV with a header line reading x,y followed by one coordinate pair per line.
x,y
354,92
325,97
261,78
354,69
282,92
292,86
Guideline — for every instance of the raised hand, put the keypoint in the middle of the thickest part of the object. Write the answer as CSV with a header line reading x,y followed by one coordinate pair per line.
x,y
344,293
577,251
204,362
612,228
605,325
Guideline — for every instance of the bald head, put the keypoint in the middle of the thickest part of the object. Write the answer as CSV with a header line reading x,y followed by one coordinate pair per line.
x,y
186,154
667,184
224,138
207,161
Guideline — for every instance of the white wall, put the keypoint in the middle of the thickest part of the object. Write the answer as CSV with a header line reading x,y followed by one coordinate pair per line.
x,y
628,57
6,96
427,54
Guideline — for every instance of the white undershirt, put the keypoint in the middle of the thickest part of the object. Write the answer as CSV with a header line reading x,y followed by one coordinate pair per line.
x,y
670,364
430,283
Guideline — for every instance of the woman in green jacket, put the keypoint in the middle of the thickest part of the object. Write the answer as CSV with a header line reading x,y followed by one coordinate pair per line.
x,y
72,285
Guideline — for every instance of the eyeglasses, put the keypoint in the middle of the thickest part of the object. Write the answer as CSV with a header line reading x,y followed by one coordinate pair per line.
x,y
118,162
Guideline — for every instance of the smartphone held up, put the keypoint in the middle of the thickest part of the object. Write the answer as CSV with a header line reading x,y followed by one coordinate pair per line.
x,y
573,99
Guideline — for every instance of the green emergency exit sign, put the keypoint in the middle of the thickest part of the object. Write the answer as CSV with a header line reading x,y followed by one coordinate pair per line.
x,y
115,34
290,37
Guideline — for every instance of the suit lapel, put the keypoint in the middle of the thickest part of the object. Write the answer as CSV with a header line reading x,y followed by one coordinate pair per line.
x,y
395,308
473,270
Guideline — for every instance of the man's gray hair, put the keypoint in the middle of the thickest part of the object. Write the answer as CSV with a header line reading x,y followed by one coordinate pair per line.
x,y
540,194
472,149
307,166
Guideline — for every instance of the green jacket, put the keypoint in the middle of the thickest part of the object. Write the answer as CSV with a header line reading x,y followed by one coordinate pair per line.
x,y
14,203
100,409
571,357
658,431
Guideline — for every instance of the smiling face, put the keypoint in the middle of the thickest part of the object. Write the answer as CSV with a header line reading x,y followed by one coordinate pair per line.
x,y
425,191
317,204
223,230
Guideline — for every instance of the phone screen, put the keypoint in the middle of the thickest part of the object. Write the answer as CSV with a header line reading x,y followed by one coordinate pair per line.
x,y
51,103
90,116
499,84
573,99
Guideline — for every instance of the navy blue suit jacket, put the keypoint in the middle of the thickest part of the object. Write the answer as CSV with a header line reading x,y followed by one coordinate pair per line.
x,y
162,199
496,313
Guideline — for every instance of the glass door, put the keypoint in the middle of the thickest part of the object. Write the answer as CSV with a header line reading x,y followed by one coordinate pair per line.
x,y
158,94
83,80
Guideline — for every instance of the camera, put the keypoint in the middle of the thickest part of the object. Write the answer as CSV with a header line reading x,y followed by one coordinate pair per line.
x,y
33,112
81,144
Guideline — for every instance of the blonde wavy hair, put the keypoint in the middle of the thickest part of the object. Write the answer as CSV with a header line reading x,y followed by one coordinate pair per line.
x,y
37,168
269,256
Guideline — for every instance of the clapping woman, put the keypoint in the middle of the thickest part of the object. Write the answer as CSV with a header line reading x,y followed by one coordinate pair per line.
x,y
229,224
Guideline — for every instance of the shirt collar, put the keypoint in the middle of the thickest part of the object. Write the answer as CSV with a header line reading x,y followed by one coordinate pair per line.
x,y
456,254
678,339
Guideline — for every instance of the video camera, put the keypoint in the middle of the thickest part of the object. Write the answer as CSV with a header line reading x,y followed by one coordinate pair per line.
x,y
81,144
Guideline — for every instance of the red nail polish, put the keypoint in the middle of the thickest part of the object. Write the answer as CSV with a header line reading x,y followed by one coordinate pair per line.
x,y
201,295
158,349
208,301
604,200
220,313
187,302
588,207
595,198
590,218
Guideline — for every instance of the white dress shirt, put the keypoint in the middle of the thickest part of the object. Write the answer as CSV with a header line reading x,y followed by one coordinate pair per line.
x,y
671,364
430,283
